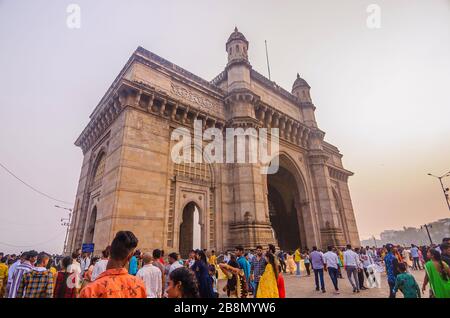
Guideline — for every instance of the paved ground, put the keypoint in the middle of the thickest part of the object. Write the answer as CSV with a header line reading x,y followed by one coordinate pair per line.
x,y
304,287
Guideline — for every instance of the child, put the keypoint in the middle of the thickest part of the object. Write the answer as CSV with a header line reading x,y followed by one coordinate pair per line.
x,y
406,283
213,275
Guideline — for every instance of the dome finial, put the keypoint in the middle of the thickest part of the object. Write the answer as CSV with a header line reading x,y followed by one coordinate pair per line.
x,y
298,75
235,29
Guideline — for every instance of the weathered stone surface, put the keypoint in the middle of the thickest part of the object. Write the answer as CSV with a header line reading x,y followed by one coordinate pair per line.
x,y
129,182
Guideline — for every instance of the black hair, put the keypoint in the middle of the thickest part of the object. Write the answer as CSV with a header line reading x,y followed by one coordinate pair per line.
x,y
259,247
202,256
271,258
106,251
94,260
401,267
30,254
239,248
314,248
189,286
173,255
156,253
123,244
272,248
330,247
437,256
66,262
41,257
349,246
4,259
74,255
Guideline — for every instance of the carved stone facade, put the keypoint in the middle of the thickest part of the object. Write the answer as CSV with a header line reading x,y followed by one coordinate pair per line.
x,y
129,182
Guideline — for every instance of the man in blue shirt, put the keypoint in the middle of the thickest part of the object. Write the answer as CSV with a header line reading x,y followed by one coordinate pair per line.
x,y
391,263
243,263
415,256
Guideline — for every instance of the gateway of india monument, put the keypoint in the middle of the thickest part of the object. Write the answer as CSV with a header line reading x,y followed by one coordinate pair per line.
x,y
129,181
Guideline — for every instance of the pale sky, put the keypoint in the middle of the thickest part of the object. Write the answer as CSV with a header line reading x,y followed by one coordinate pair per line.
x,y
382,95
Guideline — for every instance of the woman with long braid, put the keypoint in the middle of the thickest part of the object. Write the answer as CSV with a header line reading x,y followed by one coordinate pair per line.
x,y
437,274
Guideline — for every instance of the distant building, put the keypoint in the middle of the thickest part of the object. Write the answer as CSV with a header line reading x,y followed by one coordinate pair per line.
x,y
411,235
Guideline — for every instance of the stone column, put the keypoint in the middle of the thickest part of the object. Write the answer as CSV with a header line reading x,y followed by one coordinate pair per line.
x,y
330,231
251,225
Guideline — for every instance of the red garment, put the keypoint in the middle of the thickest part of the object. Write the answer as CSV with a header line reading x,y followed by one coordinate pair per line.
x,y
281,289
161,260
61,288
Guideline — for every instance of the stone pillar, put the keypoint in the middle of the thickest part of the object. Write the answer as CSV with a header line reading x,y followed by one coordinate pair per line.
x,y
251,225
330,231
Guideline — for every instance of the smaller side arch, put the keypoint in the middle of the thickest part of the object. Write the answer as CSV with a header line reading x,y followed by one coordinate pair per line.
x,y
90,229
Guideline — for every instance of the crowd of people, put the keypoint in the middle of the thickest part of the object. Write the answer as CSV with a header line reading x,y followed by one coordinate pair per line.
x,y
123,271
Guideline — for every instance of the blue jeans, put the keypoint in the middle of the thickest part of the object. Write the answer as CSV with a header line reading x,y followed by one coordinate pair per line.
x,y
318,274
298,268
255,289
334,276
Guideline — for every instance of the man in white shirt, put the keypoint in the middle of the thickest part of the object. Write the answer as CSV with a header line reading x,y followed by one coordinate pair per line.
x,y
152,277
100,266
331,261
85,262
351,262
173,264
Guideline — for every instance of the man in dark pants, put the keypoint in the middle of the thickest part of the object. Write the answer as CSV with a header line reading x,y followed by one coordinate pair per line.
x,y
318,265
391,264
257,267
331,261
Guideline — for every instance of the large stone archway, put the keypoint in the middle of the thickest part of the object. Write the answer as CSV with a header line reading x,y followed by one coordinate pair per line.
x,y
288,206
128,171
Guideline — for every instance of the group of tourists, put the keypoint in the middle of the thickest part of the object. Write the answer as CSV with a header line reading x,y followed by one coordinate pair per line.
x,y
122,271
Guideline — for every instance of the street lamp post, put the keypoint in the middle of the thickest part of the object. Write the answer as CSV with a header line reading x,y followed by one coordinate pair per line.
x,y
428,232
65,222
375,241
444,189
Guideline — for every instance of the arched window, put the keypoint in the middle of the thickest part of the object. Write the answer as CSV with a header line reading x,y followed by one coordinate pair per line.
x,y
237,48
99,171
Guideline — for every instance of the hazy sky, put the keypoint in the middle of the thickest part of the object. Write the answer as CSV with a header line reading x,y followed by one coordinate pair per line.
x,y
382,95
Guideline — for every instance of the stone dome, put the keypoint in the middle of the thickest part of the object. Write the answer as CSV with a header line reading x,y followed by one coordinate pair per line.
x,y
300,82
236,35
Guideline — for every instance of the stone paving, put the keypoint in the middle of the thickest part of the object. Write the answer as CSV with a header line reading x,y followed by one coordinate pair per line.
x,y
304,287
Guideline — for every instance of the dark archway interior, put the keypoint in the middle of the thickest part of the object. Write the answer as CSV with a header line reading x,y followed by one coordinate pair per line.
x,y
187,230
91,227
282,192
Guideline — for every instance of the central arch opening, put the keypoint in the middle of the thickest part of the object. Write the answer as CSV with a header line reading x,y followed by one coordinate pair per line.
x,y
283,201
190,229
